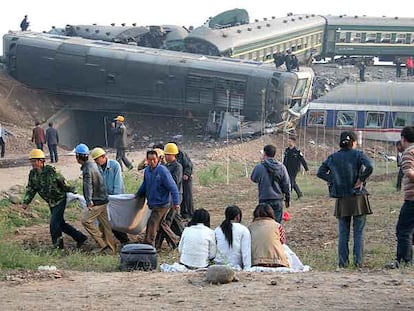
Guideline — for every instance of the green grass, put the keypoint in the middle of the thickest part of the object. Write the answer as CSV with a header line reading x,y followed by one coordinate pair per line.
x,y
215,187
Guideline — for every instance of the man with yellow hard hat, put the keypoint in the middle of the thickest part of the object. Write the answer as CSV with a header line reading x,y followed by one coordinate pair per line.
x,y
120,141
114,182
52,187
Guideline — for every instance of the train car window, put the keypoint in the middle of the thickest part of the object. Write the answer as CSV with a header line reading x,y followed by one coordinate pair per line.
x,y
316,118
346,119
385,38
371,37
342,37
300,88
375,119
402,119
400,38
355,37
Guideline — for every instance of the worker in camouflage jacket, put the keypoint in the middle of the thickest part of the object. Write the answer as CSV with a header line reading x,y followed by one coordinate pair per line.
x,y
52,187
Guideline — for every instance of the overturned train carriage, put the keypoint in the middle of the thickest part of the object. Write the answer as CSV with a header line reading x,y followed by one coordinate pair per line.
x,y
129,76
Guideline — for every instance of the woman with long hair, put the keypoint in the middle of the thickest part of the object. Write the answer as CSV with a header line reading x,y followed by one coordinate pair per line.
x,y
233,240
346,172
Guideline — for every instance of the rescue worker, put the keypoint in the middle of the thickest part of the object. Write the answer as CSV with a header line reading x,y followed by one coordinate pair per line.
x,y
159,188
114,182
187,203
176,170
52,187
293,159
96,197
120,141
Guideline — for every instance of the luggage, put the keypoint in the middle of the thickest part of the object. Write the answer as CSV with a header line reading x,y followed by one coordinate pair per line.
x,y
138,257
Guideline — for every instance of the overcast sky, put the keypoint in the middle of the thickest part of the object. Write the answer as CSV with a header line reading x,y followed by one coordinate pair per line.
x,y
44,14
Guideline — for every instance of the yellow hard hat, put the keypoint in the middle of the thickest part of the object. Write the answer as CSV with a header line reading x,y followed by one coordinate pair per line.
x,y
120,118
97,152
171,148
160,152
36,154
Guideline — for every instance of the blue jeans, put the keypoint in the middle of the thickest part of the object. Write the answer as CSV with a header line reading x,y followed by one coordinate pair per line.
x,y
344,225
277,206
405,229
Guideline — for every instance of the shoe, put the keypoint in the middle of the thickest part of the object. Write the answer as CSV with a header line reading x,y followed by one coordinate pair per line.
x,y
392,265
81,242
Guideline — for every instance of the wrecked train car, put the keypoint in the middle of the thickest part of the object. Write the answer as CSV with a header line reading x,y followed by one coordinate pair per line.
x,y
147,77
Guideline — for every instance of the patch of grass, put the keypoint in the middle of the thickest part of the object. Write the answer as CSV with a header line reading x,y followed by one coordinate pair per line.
x,y
312,231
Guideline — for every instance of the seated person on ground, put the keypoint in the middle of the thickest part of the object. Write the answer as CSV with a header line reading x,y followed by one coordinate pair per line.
x,y
198,243
267,249
233,240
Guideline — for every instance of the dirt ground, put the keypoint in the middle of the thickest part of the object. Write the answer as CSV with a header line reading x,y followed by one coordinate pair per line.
x,y
376,290
312,225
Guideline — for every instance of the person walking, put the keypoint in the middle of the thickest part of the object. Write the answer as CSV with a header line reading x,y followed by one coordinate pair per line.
x,y
176,170
273,182
38,136
96,197
405,223
187,204
52,187
120,141
293,159
159,188
114,182
3,138
346,172
52,140
24,24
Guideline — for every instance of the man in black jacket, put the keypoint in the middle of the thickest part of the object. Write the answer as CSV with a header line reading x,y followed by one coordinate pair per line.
x,y
187,204
293,159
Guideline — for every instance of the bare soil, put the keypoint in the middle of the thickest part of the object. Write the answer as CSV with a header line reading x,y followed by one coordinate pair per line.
x,y
312,228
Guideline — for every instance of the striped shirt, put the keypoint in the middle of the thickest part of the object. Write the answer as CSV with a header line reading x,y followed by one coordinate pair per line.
x,y
407,166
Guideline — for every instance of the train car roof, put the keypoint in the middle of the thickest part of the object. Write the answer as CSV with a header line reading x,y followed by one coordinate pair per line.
x,y
367,96
99,32
344,20
226,38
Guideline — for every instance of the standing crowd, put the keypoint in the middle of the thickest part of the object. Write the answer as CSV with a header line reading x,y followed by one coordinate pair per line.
x,y
167,188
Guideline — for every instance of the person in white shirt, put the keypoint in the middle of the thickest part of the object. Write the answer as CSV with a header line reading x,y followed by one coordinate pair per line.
x,y
197,246
233,240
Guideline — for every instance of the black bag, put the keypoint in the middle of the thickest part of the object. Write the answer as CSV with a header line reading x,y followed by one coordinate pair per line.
x,y
138,257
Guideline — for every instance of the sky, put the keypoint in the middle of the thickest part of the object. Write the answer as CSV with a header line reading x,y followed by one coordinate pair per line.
x,y
43,14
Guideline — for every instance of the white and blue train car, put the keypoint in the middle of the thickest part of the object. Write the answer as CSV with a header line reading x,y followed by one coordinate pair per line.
x,y
379,110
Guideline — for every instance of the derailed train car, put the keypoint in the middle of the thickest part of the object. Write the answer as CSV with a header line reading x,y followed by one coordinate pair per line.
x,y
148,77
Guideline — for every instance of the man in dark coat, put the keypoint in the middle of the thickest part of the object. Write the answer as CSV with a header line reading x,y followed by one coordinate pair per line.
x,y
293,159
187,204
120,141
273,182
24,24
52,140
